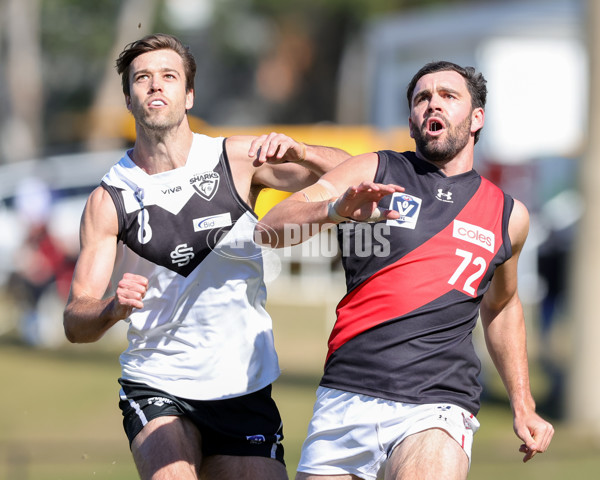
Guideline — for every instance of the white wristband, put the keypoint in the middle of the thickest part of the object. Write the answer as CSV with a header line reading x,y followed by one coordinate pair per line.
x,y
375,217
334,216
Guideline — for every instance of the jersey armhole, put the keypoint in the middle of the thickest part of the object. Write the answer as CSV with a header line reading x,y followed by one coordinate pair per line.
x,y
117,199
382,163
224,161
509,204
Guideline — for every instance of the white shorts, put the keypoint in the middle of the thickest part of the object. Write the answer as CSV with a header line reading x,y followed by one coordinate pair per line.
x,y
354,434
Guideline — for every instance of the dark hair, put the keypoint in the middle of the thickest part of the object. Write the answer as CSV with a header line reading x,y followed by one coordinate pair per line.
x,y
475,83
150,43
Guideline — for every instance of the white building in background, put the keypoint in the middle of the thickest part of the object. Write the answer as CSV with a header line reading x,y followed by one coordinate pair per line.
x,y
532,53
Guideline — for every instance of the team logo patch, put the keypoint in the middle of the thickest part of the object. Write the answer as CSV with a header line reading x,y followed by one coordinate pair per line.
x,y
182,255
213,221
474,234
206,184
409,208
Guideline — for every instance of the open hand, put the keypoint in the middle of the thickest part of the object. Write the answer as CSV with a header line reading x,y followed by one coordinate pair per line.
x,y
360,203
276,148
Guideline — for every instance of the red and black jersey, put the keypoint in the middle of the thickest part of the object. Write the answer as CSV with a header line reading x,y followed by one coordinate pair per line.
x,y
404,329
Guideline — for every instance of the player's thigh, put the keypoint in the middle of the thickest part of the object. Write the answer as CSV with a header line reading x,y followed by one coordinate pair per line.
x,y
229,467
167,447
309,476
428,455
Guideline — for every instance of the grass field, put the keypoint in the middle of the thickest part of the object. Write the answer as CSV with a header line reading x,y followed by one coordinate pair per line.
x,y
59,418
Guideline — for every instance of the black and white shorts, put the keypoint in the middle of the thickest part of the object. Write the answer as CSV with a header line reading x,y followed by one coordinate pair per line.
x,y
249,425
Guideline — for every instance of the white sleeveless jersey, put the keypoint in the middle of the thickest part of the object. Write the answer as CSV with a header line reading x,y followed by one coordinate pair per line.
x,y
203,332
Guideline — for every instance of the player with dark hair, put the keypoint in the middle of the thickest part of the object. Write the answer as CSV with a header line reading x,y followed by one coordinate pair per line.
x,y
172,224
400,392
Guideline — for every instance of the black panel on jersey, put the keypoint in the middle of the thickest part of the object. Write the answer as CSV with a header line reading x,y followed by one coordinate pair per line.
x,y
404,329
175,244
421,179
414,359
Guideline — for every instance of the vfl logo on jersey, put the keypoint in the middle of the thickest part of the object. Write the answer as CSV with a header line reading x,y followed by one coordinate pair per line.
x,y
182,255
475,235
409,208
205,184
214,221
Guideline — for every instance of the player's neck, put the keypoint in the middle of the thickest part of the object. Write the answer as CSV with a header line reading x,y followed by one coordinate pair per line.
x,y
156,154
461,163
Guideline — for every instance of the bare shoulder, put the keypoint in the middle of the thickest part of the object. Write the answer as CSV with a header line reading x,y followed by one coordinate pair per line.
x,y
100,214
354,170
238,145
518,226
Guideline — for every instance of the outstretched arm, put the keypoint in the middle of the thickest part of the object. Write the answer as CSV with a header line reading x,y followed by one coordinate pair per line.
x,y
347,193
278,161
88,315
504,328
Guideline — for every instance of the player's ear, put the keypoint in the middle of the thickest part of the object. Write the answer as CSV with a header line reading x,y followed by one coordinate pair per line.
x,y
189,99
128,102
477,119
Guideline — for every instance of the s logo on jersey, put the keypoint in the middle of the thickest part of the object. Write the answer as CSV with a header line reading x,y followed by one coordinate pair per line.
x,y
206,184
182,255
409,208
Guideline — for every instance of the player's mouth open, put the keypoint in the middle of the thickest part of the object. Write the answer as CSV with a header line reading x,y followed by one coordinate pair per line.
x,y
434,126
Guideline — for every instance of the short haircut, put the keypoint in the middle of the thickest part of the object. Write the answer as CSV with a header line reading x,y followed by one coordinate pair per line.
x,y
151,43
476,83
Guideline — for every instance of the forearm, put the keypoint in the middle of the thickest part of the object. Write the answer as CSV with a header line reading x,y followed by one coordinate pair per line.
x,y
506,340
292,221
320,206
86,319
321,159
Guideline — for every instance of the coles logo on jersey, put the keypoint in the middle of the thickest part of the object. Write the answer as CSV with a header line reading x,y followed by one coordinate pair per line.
x,y
474,234
213,221
206,184
409,208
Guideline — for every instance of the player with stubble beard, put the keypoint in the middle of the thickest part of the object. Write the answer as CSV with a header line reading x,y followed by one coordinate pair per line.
x,y
400,392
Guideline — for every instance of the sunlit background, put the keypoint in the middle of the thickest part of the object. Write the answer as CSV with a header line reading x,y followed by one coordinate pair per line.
x,y
330,72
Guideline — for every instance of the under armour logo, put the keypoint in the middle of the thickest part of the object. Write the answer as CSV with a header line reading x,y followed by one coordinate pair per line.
x,y
444,196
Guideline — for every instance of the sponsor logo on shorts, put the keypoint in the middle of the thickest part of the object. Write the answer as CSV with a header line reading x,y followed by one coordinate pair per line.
x,y
444,409
159,401
256,439
468,421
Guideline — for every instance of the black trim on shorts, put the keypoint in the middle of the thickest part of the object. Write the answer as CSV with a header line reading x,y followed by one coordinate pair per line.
x,y
249,425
